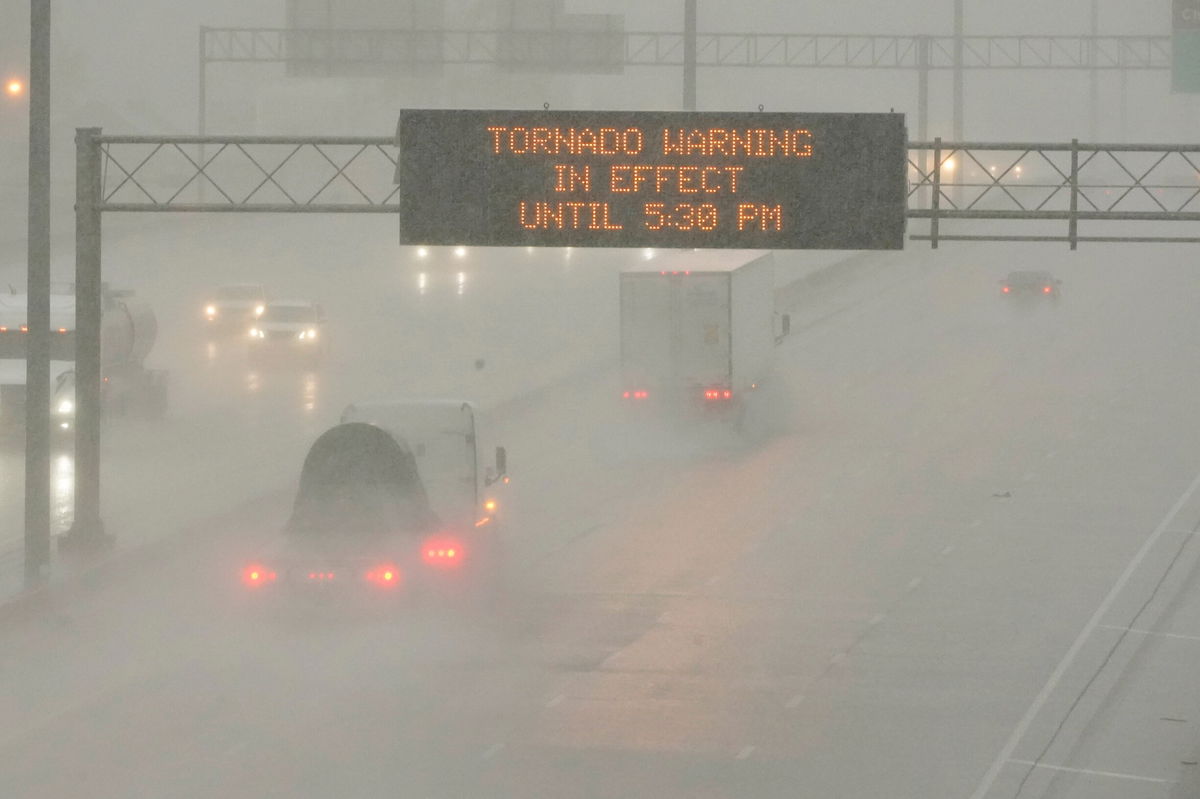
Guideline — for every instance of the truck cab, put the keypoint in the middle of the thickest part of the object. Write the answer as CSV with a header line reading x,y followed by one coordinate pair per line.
x,y
392,501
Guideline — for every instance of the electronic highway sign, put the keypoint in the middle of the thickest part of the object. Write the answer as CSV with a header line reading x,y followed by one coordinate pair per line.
x,y
652,179
1185,46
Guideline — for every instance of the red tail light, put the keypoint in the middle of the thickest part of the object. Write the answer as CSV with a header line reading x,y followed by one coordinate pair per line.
x,y
1045,289
386,575
256,574
638,394
718,393
320,577
442,552
1006,289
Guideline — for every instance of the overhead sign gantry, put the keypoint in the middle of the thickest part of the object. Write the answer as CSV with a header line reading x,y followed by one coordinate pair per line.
x,y
652,179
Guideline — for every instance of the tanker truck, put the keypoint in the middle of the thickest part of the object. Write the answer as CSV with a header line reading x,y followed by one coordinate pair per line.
x,y
128,332
392,502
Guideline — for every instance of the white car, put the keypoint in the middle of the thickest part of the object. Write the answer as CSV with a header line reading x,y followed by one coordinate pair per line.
x,y
289,328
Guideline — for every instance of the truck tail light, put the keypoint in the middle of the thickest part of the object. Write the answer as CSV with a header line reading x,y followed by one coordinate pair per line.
x,y
442,552
639,394
256,575
1006,289
1045,289
717,394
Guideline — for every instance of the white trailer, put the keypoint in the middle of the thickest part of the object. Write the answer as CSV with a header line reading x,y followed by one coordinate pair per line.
x,y
698,328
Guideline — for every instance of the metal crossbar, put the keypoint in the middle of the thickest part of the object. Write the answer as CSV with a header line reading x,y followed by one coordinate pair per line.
x,y
981,184
976,184
248,173
791,50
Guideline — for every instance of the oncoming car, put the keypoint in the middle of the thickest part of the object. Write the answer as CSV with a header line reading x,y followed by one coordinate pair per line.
x,y
235,305
289,328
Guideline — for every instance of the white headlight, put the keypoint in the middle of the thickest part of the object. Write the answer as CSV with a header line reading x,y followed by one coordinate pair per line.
x,y
211,310
256,333
66,406
258,310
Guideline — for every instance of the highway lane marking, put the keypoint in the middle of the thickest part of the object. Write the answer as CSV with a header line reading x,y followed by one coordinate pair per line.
x,y
558,700
1025,478
838,658
716,578
914,582
794,702
1140,631
493,750
1051,453
946,550
878,617
1091,772
664,617
1010,746
975,523
745,753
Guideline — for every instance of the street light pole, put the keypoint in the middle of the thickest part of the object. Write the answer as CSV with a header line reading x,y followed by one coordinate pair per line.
x,y
37,319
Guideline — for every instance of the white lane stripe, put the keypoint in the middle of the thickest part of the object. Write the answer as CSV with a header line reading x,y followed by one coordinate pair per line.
x,y
878,617
1091,772
1010,746
493,750
947,550
745,753
1139,631
556,701
794,702
914,582
838,658
976,523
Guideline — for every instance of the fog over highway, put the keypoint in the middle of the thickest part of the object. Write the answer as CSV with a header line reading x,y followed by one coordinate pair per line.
x,y
948,549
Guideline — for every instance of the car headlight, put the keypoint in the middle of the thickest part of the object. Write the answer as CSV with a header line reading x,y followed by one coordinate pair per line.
x,y
256,333
66,406
258,309
210,310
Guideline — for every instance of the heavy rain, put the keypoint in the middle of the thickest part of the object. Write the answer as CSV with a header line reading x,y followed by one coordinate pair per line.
x,y
599,398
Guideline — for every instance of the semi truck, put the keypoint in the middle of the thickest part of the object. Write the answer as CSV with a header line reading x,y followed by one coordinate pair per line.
x,y
393,501
128,332
698,329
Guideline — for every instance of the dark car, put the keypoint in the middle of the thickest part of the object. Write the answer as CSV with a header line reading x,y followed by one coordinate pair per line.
x,y
1030,282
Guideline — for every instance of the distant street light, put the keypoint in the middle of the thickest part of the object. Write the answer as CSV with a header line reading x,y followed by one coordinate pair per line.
x,y
14,87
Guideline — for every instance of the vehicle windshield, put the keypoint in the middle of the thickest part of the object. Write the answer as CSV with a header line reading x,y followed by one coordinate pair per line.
x,y
289,313
239,293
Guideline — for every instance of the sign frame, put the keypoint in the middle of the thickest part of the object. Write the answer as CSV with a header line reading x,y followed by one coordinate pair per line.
x,y
729,180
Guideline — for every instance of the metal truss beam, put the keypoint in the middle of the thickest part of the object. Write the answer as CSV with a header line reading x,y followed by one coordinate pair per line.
x,y
663,49
1028,183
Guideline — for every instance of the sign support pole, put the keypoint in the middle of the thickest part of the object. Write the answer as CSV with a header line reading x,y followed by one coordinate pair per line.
x,y
37,319
87,533
689,55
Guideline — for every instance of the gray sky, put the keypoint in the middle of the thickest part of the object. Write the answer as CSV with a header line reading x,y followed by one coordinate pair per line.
x,y
132,65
